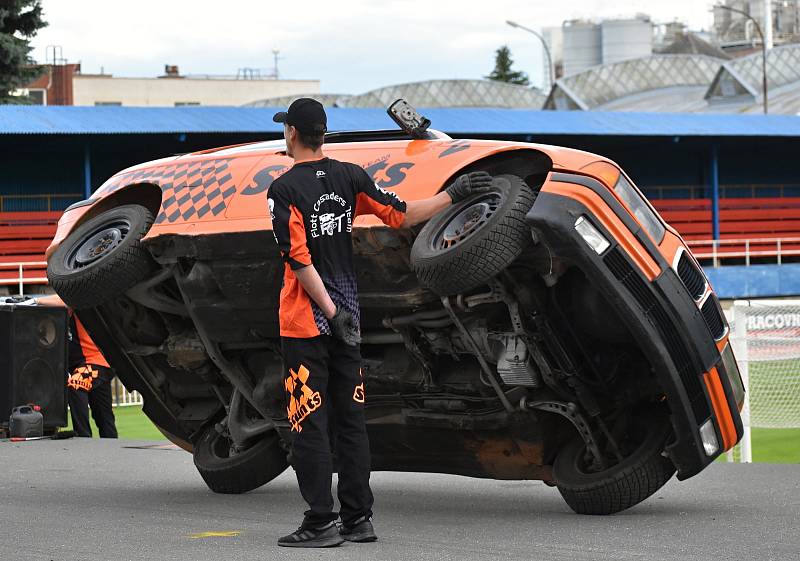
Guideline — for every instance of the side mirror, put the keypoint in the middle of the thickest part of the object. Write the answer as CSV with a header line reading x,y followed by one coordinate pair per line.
x,y
409,119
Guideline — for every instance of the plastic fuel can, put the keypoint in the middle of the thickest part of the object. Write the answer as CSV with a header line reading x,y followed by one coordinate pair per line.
x,y
25,422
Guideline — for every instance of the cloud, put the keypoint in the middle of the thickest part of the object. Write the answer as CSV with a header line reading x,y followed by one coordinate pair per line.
x,y
351,45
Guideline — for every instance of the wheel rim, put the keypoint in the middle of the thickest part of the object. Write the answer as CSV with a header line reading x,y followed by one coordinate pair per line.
x,y
466,222
102,241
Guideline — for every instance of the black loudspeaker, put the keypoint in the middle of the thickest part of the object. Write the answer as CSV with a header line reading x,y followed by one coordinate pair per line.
x,y
33,361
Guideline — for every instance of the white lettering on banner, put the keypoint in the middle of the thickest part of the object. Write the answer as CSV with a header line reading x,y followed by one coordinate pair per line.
x,y
773,321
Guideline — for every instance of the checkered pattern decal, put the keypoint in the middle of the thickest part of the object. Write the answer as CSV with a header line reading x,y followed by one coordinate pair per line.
x,y
191,190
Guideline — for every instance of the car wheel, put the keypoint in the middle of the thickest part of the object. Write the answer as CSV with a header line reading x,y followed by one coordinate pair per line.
x,y
225,472
102,258
474,240
643,471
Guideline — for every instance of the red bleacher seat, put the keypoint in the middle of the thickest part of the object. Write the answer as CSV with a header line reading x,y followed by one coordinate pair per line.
x,y
34,217
24,237
739,219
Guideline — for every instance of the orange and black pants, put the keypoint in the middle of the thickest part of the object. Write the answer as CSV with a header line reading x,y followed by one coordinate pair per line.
x,y
325,407
90,386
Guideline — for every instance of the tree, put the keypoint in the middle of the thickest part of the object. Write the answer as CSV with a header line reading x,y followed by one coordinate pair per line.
x,y
502,69
19,22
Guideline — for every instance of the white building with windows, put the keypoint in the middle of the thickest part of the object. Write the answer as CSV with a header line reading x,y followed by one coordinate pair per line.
x,y
65,84
93,89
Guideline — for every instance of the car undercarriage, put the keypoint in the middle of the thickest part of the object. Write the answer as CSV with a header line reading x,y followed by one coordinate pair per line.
x,y
534,331
487,383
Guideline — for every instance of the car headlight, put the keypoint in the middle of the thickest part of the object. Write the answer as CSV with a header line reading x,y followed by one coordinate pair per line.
x,y
732,371
591,235
643,213
709,437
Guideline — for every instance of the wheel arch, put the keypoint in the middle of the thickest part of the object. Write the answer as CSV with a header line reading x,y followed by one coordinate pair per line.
x,y
148,195
530,164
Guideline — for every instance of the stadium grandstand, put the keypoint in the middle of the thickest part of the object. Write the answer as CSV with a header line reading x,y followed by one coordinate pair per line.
x,y
727,182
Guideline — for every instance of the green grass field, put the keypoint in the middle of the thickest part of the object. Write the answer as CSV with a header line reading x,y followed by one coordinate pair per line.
x,y
776,446
132,424
773,446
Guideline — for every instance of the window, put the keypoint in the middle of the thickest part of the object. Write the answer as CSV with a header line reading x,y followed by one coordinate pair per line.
x,y
37,97
108,103
32,96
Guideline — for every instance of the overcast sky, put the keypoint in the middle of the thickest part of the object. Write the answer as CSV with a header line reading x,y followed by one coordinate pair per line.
x,y
350,45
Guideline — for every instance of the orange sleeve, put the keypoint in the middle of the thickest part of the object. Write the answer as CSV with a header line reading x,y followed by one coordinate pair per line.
x,y
388,214
299,255
372,199
288,228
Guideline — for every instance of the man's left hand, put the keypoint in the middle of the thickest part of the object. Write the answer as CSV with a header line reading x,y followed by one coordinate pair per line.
x,y
343,326
469,184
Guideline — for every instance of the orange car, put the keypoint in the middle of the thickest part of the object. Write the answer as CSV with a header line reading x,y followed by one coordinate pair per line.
x,y
555,328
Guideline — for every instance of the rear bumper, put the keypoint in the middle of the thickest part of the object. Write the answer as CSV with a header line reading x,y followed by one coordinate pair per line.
x,y
656,308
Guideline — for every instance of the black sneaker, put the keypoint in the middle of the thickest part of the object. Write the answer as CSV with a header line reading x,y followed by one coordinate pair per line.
x,y
360,531
324,536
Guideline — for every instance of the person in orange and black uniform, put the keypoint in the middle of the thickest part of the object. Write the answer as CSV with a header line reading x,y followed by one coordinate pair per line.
x,y
312,207
89,383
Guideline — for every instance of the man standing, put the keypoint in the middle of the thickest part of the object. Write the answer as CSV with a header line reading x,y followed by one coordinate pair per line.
x,y
312,207
89,383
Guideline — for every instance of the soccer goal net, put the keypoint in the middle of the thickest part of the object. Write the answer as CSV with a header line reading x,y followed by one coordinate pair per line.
x,y
765,335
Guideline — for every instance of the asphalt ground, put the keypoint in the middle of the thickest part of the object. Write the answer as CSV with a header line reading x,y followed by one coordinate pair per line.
x,y
89,500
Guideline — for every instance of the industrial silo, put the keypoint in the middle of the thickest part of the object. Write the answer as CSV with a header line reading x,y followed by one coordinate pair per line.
x,y
624,39
582,46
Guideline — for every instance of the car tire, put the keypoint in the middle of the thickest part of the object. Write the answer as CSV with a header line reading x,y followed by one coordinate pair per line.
x,y
643,472
474,240
250,469
102,258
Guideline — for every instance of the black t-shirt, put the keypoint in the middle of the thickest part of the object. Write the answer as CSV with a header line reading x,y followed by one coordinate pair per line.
x,y
312,207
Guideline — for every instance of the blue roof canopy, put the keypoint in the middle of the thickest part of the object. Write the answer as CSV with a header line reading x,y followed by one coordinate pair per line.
x,y
15,119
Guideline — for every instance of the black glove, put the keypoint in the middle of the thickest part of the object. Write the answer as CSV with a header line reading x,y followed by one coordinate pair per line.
x,y
343,326
469,184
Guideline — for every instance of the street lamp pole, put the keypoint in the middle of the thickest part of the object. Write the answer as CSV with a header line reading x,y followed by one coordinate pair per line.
x,y
550,71
763,49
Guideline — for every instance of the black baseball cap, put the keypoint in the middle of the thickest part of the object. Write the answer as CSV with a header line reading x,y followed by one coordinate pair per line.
x,y
305,114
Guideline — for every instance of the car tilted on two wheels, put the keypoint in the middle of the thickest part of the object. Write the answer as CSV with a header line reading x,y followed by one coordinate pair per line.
x,y
554,328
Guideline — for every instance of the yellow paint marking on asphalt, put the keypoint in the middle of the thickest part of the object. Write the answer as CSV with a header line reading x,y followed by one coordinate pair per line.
x,y
230,534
